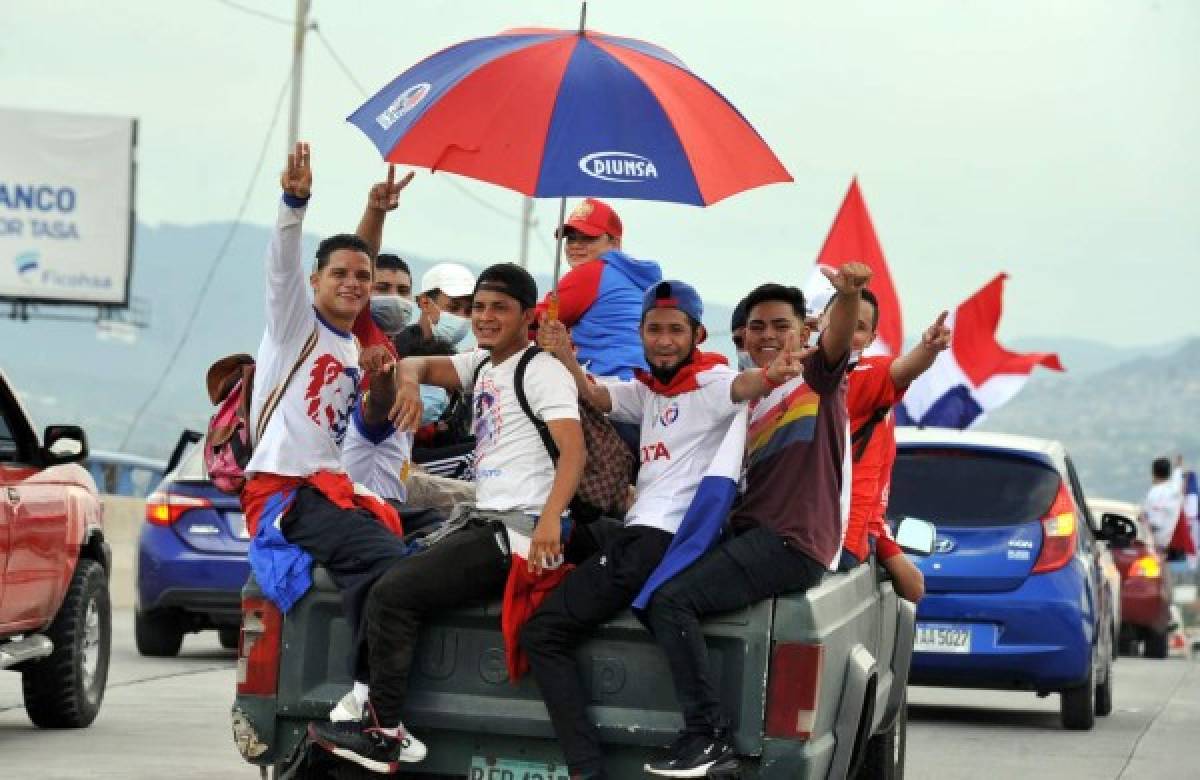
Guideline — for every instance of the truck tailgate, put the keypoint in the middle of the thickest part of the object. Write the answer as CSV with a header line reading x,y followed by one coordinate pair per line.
x,y
460,692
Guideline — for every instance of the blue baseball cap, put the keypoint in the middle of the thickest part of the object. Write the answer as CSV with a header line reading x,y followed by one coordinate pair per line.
x,y
673,294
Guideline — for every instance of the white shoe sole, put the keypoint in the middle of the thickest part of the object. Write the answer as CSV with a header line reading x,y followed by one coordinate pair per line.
x,y
696,771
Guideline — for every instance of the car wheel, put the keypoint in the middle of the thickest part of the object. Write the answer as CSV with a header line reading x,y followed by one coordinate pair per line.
x,y
65,689
1126,644
884,758
1157,645
1078,705
229,636
1104,692
157,635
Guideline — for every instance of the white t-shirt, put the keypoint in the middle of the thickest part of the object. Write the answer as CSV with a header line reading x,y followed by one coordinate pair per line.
x,y
1164,502
513,471
679,436
305,433
377,457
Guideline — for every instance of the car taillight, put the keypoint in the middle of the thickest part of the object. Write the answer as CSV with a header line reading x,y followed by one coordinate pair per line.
x,y
1146,566
258,650
166,508
1059,534
793,690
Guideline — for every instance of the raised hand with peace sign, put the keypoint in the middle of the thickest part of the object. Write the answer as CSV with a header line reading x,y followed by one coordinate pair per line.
x,y
385,195
789,363
296,179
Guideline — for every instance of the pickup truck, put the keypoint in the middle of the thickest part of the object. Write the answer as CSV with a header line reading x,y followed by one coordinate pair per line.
x,y
55,616
816,682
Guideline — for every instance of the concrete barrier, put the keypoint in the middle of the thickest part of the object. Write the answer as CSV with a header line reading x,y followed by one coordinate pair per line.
x,y
123,518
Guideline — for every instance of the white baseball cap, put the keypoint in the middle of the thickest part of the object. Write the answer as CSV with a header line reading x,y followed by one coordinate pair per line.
x,y
453,279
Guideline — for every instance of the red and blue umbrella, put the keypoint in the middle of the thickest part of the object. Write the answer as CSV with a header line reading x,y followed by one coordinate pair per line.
x,y
557,113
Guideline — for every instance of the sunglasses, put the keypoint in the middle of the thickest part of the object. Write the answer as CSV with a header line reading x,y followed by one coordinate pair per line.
x,y
576,236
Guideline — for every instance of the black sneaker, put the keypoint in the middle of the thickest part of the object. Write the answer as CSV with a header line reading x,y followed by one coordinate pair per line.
x,y
696,755
366,744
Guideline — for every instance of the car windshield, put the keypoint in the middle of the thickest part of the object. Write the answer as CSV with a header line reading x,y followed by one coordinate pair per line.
x,y
955,487
8,445
191,465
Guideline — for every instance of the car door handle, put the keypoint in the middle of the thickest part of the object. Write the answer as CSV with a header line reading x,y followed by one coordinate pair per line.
x,y
14,496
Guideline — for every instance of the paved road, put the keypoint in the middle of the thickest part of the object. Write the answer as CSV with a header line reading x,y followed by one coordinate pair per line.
x,y
1153,731
169,718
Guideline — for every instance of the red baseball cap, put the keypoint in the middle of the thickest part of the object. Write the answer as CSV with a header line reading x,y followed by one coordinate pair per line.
x,y
593,218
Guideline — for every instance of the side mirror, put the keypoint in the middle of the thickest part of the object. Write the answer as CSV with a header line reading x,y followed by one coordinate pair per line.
x,y
916,536
1118,530
63,444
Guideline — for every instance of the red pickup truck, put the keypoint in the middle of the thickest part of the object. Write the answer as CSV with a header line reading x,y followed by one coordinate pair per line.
x,y
55,615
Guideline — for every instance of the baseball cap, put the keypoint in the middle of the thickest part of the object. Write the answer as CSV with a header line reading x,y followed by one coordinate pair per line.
x,y
593,218
451,278
673,294
510,279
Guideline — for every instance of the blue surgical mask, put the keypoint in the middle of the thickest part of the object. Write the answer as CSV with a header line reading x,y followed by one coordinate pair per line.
x,y
451,328
391,312
744,360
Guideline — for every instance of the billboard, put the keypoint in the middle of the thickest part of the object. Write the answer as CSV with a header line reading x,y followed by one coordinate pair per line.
x,y
66,207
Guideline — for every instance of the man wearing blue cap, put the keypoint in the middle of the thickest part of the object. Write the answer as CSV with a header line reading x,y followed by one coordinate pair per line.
x,y
683,405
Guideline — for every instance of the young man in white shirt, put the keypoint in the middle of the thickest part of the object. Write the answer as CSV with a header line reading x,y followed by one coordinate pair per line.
x,y
684,406
1164,500
300,505
521,493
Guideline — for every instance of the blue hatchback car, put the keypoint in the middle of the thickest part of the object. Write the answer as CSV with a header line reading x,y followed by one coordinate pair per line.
x,y
191,562
1016,598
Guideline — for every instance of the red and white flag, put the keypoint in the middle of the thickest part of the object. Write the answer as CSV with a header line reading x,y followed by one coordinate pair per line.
x,y
852,239
977,374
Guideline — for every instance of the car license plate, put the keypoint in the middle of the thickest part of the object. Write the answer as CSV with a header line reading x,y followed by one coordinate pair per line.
x,y
487,768
237,524
942,638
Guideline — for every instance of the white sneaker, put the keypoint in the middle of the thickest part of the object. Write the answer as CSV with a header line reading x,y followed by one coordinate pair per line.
x,y
347,709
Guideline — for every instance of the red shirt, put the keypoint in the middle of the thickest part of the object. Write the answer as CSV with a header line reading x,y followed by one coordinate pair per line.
x,y
870,387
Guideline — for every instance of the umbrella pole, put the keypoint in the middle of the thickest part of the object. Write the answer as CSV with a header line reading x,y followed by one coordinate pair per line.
x,y
558,245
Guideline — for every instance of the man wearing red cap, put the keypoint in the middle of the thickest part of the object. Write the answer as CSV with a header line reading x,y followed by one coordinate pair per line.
x,y
600,298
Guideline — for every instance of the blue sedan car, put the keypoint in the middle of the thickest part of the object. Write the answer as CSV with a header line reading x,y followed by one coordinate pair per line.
x,y
191,561
1016,595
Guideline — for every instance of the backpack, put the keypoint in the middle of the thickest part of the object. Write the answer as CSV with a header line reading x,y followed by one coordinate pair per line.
x,y
609,470
229,444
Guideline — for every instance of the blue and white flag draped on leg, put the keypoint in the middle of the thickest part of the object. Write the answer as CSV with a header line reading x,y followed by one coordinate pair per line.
x,y
705,516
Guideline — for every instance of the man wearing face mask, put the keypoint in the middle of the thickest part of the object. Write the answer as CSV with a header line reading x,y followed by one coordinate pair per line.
x,y
392,306
444,301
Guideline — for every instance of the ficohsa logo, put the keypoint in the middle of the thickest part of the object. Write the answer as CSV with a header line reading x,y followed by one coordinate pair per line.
x,y
405,102
623,167
27,263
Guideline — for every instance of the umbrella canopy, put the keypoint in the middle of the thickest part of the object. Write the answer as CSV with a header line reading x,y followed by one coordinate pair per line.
x,y
555,113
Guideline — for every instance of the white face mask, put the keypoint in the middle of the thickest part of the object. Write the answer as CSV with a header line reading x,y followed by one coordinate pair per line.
x,y
744,360
451,328
391,312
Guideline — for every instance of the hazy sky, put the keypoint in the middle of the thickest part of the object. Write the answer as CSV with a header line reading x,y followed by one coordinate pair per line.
x,y
1054,140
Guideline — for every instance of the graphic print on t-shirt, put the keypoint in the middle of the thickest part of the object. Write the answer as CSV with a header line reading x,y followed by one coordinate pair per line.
x,y
792,419
488,420
330,395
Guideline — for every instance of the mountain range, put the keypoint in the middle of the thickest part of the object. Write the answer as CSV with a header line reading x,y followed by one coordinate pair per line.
x,y
1115,408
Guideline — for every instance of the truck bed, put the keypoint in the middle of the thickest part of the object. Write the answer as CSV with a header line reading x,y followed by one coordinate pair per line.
x,y
462,705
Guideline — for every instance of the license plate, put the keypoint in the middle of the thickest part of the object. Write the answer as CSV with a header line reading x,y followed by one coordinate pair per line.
x,y
486,768
942,638
237,524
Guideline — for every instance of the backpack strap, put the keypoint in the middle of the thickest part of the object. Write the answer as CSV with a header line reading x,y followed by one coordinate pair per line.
x,y
862,437
519,382
277,394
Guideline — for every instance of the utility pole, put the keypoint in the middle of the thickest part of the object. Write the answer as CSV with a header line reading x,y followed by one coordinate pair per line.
x,y
302,7
526,225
